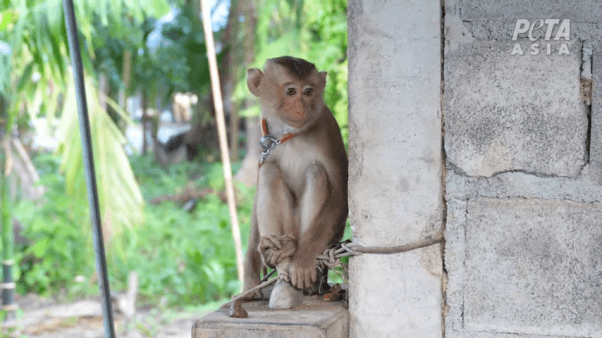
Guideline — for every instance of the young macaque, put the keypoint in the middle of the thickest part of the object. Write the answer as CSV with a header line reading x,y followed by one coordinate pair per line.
x,y
301,203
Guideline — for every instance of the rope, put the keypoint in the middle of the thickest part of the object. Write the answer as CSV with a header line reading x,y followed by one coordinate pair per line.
x,y
331,259
428,241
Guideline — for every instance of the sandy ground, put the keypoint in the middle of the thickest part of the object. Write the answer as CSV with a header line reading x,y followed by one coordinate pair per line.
x,y
82,319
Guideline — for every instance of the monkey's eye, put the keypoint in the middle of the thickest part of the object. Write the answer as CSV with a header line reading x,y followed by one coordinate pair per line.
x,y
308,91
290,91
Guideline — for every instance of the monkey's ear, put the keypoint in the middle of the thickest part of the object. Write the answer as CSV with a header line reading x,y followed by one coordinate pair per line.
x,y
254,76
323,77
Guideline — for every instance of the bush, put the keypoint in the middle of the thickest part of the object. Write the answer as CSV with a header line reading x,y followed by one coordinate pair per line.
x,y
182,258
59,247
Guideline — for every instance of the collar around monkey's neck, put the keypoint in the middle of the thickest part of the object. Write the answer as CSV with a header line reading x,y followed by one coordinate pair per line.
x,y
268,141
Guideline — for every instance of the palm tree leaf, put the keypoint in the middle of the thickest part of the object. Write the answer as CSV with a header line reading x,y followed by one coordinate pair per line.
x,y
120,198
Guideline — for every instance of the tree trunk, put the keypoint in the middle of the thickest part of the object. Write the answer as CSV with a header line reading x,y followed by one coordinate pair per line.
x,y
234,132
232,59
103,92
144,121
126,76
154,122
202,115
248,173
25,172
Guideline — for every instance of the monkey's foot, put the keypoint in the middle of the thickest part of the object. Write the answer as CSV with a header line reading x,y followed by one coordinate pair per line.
x,y
275,249
285,296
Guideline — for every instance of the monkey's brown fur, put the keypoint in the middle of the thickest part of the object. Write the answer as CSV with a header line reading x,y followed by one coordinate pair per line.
x,y
301,203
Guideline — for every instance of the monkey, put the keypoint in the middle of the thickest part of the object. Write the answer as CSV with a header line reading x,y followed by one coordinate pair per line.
x,y
301,204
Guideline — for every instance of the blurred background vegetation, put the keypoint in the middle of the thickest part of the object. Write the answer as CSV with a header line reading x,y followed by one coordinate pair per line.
x,y
163,214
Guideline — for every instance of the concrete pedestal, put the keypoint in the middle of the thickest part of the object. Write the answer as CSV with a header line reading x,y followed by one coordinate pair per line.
x,y
313,318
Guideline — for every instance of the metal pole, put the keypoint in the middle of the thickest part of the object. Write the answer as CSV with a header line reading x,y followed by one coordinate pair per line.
x,y
8,286
84,127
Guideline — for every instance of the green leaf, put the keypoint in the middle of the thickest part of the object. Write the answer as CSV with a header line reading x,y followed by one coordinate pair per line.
x,y
113,170
5,18
39,249
103,12
25,76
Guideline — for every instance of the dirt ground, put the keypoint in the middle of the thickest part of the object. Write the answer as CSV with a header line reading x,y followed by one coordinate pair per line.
x,y
38,317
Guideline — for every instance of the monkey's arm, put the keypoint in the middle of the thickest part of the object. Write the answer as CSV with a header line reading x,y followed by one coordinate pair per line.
x,y
318,226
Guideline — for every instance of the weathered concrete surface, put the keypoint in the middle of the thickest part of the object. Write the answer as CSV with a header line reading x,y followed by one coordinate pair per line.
x,y
313,318
395,165
394,120
509,112
404,294
521,185
575,10
596,115
523,251
521,266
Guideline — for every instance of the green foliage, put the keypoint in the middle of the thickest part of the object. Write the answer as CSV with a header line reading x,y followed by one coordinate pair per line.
x,y
185,257
113,171
311,29
188,258
182,258
36,32
60,246
215,178
178,62
11,331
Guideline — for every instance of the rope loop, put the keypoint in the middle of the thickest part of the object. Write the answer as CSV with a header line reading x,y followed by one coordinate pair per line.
x,y
331,259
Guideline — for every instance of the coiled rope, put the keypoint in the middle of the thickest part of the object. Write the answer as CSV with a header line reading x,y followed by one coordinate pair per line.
x,y
331,259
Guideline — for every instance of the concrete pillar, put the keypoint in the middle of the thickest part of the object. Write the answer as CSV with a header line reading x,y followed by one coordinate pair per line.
x,y
395,176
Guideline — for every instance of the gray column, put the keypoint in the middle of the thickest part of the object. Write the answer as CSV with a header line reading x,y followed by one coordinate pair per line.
x,y
395,182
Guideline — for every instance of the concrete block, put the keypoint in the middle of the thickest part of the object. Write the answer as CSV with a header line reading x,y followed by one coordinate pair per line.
x,y
576,10
524,267
394,120
521,185
509,112
313,318
397,295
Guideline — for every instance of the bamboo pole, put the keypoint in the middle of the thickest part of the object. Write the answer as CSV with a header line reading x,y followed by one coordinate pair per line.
x,y
221,130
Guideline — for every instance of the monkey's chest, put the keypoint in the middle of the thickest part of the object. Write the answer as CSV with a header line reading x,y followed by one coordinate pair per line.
x,y
293,162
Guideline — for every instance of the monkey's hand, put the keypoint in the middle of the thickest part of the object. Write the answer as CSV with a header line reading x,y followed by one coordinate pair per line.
x,y
275,249
302,269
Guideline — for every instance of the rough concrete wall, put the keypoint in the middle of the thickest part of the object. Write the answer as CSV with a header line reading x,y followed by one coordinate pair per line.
x,y
507,113
395,176
523,251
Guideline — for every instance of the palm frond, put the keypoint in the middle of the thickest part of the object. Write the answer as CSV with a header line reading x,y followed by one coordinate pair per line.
x,y
121,202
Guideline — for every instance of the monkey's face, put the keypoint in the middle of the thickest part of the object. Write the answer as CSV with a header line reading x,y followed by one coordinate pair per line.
x,y
296,102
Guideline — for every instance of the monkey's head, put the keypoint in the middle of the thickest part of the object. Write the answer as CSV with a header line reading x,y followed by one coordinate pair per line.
x,y
291,90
